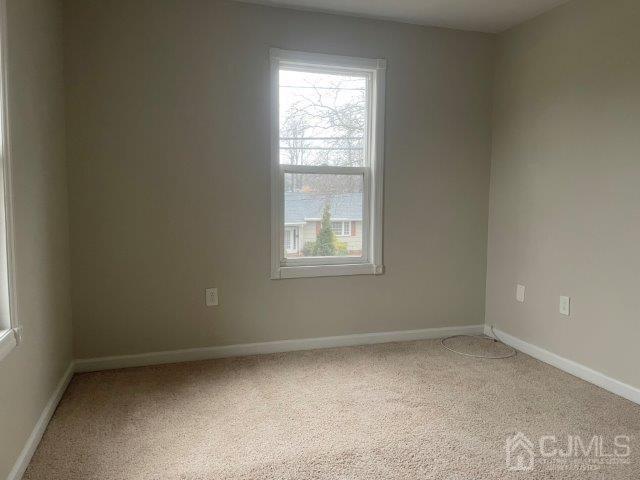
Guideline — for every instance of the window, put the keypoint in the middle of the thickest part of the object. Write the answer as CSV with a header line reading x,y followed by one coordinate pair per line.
x,y
341,229
326,166
9,329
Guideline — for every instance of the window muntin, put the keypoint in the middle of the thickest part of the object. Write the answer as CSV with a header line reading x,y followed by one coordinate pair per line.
x,y
327,135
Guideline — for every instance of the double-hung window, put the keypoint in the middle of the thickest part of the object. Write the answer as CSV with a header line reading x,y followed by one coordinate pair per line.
x,y
326,164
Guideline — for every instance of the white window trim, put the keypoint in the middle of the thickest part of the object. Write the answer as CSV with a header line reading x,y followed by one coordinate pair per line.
x,y
10,329
371,261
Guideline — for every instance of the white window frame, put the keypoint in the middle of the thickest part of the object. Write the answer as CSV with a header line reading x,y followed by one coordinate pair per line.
x,y
372,172
10,330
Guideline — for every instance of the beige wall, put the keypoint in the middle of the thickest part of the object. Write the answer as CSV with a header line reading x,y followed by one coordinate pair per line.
x,y
565,184
168,102
30,373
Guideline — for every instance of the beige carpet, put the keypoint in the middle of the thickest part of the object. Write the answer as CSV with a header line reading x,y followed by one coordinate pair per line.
x,y
395,411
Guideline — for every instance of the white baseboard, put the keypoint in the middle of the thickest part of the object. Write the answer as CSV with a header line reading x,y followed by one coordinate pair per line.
x,y
206,353
41,425
574,368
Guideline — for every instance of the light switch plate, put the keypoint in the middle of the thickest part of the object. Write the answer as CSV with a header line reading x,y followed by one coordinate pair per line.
x,y
565,305
520,293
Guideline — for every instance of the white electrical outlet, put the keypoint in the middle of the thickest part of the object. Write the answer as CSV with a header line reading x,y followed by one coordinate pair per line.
x,y
520,293
211,297
565,305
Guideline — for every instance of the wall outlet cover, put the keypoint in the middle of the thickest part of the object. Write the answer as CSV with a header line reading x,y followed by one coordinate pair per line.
x,y
520,293
211,297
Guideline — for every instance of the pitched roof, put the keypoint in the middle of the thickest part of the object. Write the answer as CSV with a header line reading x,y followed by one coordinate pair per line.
x,y
301,206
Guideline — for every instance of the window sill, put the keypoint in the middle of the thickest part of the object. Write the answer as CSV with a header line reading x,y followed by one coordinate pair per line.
x,y
327,270
7,342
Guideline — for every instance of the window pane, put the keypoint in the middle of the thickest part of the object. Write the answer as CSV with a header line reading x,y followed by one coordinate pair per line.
x,y
322,118
323,207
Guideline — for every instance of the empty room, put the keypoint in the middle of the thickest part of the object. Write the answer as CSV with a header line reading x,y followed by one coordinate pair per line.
x,y
319,239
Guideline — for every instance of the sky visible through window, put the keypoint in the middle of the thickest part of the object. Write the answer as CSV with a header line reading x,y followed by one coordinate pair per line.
x,y
322,119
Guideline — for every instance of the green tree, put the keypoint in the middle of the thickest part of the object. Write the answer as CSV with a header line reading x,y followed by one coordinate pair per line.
x,y
326,244
326,241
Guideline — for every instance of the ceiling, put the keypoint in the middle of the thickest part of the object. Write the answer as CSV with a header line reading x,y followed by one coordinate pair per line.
x,y
478,15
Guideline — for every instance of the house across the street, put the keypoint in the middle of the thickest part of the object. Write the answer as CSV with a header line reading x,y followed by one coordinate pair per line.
x,y
303,219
